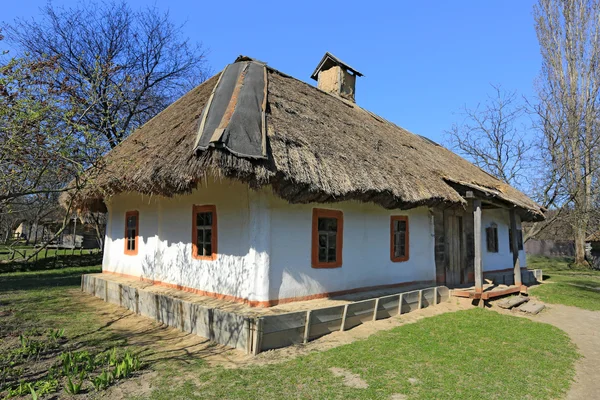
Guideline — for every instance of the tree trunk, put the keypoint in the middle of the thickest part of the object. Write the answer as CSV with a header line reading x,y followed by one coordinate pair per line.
x,y
580,236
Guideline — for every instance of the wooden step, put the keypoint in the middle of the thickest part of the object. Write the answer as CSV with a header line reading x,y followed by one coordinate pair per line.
x,y
513,301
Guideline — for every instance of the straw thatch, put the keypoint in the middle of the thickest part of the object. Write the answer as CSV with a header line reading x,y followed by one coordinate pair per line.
x,y
321,149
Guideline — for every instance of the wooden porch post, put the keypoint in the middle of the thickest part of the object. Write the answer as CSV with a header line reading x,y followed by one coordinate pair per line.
x,y
477,240
514,245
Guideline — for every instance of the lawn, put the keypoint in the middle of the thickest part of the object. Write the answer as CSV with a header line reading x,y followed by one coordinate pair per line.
x,y
566,285
447,356
52,344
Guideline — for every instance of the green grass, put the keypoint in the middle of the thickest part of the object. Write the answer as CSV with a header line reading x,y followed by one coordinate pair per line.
x,y
468,354
565,283
474,354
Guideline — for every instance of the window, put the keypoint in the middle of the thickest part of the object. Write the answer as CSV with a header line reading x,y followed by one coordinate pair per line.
x,y
398,238
491,233
519,239
327,233
132,224
204,233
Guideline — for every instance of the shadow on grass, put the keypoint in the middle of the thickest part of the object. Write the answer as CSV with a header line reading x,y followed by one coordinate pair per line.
x,y
51,299
70,276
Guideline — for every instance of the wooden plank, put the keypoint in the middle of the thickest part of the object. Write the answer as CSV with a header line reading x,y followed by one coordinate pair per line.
x,y
443,294
284,338
258,332
280,322
400,303
358,313
410,301
512,302
515,247
428,297
344,318
478,242
388,306
498,293
375,309
324,321
307,326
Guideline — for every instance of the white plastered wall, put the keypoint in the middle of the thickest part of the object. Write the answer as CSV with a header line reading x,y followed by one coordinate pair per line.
x,y
503,258
366,250
165,240
264,244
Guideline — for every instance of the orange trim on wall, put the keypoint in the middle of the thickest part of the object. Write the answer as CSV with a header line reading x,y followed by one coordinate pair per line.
x,y
267,303
393,219
213,239
137,232
339,238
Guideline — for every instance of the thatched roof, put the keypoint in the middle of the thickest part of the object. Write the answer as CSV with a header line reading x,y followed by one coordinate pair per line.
x,y
320,149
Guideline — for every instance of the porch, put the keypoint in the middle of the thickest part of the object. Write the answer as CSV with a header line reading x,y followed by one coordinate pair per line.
x,y
469,237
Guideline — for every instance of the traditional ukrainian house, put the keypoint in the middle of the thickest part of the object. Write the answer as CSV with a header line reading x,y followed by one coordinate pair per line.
x,y
260,188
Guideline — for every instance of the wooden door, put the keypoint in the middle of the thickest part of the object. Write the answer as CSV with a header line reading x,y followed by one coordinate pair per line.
x,y
455,249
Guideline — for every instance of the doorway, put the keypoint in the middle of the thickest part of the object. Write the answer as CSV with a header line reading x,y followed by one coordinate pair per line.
x,y
455,248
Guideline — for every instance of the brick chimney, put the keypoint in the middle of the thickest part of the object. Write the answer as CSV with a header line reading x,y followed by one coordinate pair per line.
x,y
336,77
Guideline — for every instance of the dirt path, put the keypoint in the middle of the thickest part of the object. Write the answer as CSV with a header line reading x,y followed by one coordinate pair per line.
x,y
583,327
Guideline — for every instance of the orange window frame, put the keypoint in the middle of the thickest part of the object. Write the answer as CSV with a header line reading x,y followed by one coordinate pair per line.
x,y
405,257
135,214
213,239
339,239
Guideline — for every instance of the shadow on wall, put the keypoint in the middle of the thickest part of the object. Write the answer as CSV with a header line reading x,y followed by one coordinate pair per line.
x,y
229,274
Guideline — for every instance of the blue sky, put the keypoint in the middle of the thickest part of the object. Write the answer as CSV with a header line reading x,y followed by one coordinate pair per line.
x,y
422,60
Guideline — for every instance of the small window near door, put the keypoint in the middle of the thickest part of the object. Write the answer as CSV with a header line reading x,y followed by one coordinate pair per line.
x,y
519,239
327,238
204,233
132,224
398,238
491,234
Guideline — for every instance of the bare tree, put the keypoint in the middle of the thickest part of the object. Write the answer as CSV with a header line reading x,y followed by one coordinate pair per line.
x,y
568,33
126,65
492,136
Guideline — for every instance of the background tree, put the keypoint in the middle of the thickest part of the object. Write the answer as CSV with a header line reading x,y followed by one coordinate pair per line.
x,y
568,33
125,66
491,135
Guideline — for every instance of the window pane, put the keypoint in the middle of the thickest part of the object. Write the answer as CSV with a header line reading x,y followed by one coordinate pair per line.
x,y
322,254
200,219
322,240
402,226
332,240
207,235
207,249
200,238
208,218
327,224
331,254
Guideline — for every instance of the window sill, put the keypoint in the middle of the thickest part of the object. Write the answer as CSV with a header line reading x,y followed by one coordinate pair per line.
x,y
206,258
327,265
